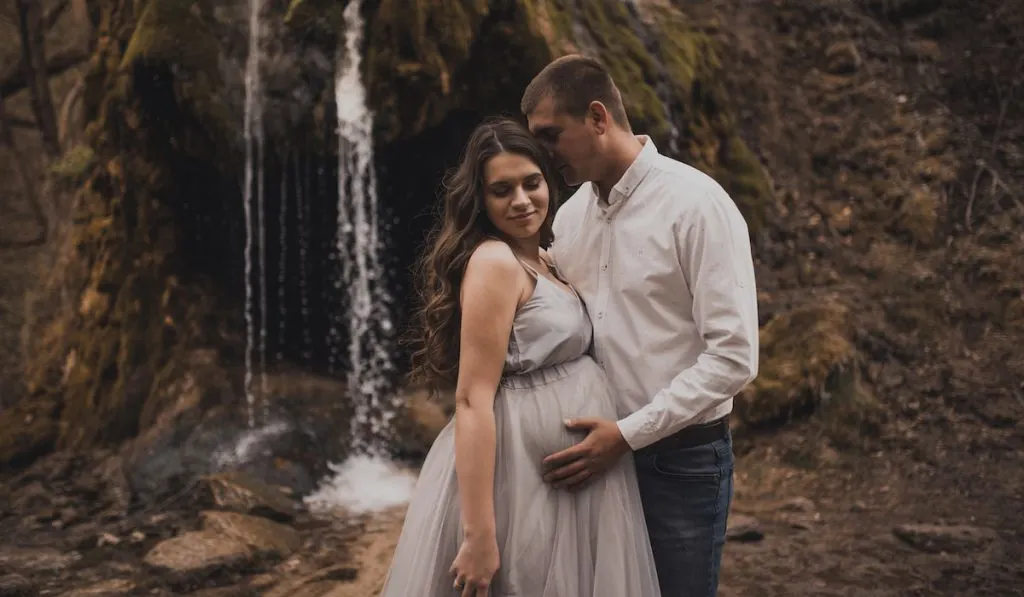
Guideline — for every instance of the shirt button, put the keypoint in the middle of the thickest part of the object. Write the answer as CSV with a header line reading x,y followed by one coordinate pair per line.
x,y
600,315
604,267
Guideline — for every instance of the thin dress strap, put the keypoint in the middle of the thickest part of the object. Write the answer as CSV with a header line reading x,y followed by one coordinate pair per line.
x,y
553,268
529,268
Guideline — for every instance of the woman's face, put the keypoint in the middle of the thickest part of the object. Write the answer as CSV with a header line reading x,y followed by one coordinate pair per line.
x,y
515,195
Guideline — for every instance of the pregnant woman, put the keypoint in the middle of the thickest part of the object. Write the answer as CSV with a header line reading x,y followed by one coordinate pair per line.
x,y
503,328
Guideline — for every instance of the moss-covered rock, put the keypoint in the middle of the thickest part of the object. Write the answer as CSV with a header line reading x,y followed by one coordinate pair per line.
x,y
668,73
807,356
165,100
415,51
178,31
97,353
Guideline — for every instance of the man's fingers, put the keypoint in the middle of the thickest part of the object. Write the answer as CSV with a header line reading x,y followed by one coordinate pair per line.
x,y
564,472
565,456
581,424
576,481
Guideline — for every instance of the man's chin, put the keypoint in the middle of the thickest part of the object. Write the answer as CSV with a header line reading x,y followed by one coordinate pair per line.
x,y
570,179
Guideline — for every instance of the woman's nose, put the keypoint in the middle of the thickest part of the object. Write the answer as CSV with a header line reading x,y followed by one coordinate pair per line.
x,y
520,199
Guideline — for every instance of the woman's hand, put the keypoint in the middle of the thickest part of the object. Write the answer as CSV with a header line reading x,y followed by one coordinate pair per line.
x,y
475,565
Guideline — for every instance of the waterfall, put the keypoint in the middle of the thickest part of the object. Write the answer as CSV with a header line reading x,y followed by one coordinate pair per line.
x,y
359,247
253,135
366,480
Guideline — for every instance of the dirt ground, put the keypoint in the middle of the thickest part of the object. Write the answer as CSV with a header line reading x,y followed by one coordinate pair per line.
x,y
929,516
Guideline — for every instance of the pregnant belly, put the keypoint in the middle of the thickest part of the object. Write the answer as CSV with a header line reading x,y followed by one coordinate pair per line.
x,y
538,416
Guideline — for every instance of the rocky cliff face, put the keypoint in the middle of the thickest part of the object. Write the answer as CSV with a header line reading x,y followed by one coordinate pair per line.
x,y
155,270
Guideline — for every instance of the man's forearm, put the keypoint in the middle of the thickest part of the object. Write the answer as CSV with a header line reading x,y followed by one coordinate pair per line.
x,y
700,389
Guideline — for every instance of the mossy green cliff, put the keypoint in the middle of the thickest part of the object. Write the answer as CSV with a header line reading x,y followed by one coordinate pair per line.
x,y
164,99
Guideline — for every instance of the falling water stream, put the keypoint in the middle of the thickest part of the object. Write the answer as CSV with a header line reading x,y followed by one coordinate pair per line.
x,y
358,245
253,135
282,263
302,183
367,480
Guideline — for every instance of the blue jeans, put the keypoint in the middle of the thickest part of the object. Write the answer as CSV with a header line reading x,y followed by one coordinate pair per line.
x,y
686,493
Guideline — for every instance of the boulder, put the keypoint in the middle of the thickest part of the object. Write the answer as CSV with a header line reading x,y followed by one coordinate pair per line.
x,y
259,534
198,553
245,494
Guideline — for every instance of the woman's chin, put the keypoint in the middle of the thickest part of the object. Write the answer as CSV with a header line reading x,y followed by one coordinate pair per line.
x,y
525,234
522,232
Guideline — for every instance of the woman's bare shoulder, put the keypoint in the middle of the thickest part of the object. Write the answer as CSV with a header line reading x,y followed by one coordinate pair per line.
x,y
493,263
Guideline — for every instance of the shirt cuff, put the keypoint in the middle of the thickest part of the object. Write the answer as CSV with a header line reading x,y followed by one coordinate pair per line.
x,y
636,430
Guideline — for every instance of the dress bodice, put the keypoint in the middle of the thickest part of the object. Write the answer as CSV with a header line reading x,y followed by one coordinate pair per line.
x,y
551,327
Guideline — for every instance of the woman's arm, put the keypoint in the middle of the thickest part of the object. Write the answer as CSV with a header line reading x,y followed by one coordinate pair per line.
x,y
491,291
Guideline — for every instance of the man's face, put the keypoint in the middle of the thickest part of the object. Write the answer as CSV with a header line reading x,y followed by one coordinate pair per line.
x,y
572,142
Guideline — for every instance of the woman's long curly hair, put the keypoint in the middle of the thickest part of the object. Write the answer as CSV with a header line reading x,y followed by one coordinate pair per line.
x,y
462,226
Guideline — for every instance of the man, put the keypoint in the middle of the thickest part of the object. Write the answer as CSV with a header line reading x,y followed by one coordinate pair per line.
x,y
662,258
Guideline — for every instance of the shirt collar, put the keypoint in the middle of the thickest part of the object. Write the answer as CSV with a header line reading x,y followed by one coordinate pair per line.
x,y
631,178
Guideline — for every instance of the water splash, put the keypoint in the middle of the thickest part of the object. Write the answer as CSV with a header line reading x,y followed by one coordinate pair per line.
x,y
363,484
245,447
253,135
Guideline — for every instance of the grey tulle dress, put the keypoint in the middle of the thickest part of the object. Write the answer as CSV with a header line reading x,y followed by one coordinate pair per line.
x,y
552,542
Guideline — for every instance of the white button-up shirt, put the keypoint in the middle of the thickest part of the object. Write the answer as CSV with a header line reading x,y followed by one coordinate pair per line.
x,y
666,272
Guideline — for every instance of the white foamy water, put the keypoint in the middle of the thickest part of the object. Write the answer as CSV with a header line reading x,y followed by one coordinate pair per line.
x,y
247,444
363,484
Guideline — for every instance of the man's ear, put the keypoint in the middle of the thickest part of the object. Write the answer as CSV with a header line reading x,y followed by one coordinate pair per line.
x,y
599,117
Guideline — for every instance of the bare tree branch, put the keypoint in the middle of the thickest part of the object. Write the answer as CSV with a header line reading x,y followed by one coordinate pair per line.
x,y
28,183
13,79
70,131
33,65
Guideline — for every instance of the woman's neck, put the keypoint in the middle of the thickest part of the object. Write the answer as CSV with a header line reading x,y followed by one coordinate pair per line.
x,y
525,248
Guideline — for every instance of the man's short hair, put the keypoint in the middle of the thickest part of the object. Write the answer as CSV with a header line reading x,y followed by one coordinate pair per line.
x,y
573,82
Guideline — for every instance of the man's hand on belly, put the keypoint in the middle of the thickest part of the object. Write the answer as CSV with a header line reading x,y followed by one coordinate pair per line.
x,y
575,467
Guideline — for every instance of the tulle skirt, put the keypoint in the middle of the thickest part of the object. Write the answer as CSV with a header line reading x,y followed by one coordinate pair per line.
x,y
552,542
